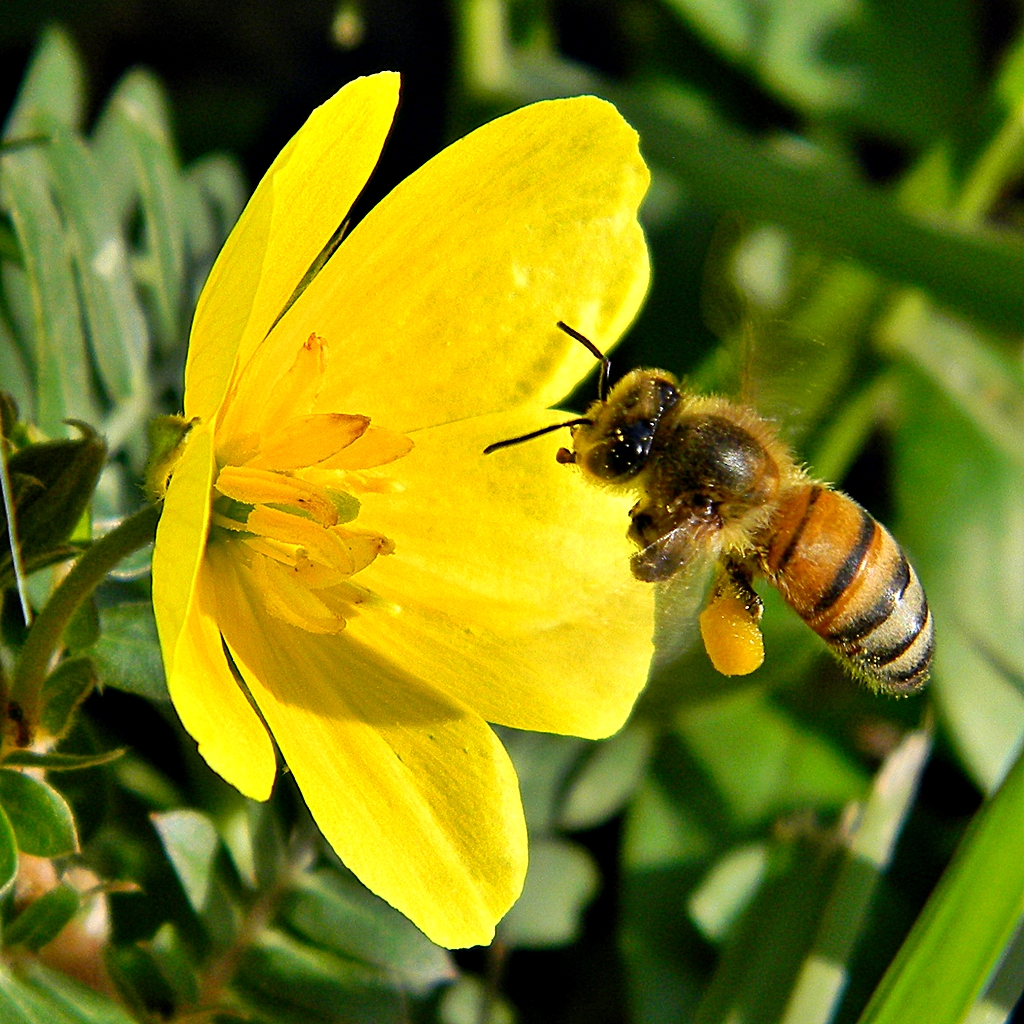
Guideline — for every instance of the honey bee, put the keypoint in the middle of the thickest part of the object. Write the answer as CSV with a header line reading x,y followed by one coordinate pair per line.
x,y
716,483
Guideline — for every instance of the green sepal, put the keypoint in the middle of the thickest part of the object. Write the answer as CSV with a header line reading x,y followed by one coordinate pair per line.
x,y
63,691
54,762
41,818
167,436
52,483
43,919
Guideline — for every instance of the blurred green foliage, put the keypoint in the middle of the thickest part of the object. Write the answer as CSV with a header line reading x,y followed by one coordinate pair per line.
x,y
835,229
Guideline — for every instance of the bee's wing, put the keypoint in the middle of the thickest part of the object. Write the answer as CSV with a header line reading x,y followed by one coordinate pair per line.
x,y
678,601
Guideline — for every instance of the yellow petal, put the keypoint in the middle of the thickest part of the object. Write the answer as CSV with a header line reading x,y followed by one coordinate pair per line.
x,y
442,302
181,538
509,587
213,707
415,794
296,208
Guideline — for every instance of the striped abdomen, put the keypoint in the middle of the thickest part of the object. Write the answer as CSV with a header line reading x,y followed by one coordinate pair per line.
x,y
851,583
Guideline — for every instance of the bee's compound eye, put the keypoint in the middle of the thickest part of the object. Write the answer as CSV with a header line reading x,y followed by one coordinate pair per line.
x,y
627,451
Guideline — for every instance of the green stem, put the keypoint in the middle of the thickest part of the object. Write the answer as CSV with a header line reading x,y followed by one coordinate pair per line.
x,y
45,635
1000,162
967,924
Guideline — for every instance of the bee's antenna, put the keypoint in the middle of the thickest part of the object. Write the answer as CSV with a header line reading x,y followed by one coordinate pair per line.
x,y
606,363
533,433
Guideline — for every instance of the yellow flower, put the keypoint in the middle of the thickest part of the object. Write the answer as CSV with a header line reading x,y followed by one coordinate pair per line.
x,y
384,589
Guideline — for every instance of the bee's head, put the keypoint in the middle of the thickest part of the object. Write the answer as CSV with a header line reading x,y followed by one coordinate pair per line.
x,y
613,442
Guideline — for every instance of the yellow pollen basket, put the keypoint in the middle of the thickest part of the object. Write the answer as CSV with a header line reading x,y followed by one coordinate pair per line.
x,y
731,636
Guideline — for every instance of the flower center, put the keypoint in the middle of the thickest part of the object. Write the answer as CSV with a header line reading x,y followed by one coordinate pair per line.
x,y
285,496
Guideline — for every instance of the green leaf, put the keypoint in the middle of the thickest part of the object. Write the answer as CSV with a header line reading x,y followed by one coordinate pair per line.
x,y
821,983
54,762
20,1004
901,69
986,387
560,883
43,919
52,86
8,853
959,517
1003,990
13,369
784,765
839,442
213,194
127,654
281,976
58,999
83,629
63,691
338,914
40,816
661,833
139,980
543,764
270,857
967,924
59,356
147,783
117,327
607,779
176,964
136,122
468,1001
53,482
765,952
727,889
190,841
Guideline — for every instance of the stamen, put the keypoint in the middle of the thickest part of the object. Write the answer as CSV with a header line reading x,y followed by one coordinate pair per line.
x,y
286,554
377,447
307,440
322,546
287,599
226,523
263,487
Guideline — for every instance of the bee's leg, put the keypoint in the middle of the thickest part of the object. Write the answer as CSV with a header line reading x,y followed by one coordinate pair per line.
x,y
735,578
